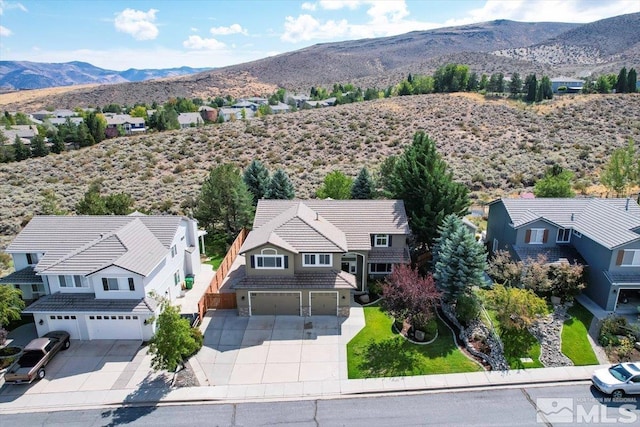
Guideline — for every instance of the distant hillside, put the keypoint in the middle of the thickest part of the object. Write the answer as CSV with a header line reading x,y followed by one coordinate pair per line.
x,y
499,46
35,75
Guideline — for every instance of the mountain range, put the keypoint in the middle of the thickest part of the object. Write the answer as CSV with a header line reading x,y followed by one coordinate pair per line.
x,y
18,75
543,48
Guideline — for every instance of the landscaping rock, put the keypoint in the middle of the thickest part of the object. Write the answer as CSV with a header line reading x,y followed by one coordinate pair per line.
x,y
547,331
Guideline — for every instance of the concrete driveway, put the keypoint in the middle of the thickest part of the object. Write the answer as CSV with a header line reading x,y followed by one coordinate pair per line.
x,y
94,365
274,349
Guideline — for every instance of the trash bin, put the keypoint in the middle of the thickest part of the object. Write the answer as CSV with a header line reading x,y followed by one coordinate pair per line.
x,y
188,281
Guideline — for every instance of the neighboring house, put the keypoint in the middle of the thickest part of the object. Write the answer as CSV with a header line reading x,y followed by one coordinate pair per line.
x,y
227,113
130,125
280,107
209,114
57,121
329,102
306,257
249,106
63,113
41,115
92,275
572,85
298,99
188,120
602,234
24,132
257,100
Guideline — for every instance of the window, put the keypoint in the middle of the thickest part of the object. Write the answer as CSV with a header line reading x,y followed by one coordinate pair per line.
x,y
73,282
174,251
110,284
131,284
32,259
577,233
176,277
381,240
628,258
564,235
34,288
380,268
269,261
536,236
317,260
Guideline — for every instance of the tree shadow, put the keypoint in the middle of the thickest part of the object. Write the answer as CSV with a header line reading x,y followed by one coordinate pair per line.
x,y
517,344
387,358
140,402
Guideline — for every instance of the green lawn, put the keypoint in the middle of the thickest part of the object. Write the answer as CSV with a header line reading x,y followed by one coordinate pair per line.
x,y
379,352
575,344
517,345
215,260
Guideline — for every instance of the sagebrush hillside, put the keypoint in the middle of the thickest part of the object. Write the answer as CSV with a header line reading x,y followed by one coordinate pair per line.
x,y
494,147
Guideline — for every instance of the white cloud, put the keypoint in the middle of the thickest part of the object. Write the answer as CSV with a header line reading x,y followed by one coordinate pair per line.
x,y
7,5
308,6
5,32
198,43
306,27
225,31
137,23
194,29
341,4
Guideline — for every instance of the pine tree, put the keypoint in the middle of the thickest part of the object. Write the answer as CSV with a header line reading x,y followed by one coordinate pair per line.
x,y
363,187
531,85
515,86
547,89
280,187
461,260
422,179
21,151
621,85
632,79
256,176
58,144
38,146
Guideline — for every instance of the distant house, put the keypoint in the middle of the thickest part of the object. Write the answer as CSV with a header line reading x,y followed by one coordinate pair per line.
x,y
57,121
130,125
280,108
209,114
299,100
572,85
227,113
24,132
42,114
246,105
188,120
329,102
601,234
257,100
63,113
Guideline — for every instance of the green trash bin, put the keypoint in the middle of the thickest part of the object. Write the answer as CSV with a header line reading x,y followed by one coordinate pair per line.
x,y
188,281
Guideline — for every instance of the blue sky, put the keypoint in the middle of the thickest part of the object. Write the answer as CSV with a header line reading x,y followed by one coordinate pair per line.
x,y
162,34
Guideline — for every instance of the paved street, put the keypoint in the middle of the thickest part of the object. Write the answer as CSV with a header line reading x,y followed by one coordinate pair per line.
x,y
502,407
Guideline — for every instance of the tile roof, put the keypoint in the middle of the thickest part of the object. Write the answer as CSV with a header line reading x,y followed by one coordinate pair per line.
x,y
330,280
85,244
389,256
26,276
609,222
71,302
357,219
555,255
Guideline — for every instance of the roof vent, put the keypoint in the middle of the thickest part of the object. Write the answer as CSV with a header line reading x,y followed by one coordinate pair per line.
x,y
317,216
626,208
572,216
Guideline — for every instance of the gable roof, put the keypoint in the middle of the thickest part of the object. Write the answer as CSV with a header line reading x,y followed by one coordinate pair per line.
x,y
325,222
609,222
86,244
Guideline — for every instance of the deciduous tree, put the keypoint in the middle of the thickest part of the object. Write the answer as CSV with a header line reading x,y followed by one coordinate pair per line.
x,y
515,308
555,183
11,304
336,185
621,171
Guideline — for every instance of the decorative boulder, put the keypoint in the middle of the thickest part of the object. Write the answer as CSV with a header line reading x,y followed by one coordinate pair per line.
x,y
365,298
419,335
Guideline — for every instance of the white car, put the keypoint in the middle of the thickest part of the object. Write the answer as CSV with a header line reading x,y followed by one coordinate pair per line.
x,y
618,380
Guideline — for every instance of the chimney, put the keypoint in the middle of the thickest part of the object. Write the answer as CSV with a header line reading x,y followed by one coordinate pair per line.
x,y
626,208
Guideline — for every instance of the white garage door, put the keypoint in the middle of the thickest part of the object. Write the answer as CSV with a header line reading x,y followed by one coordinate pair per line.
x,y
67,323
114,327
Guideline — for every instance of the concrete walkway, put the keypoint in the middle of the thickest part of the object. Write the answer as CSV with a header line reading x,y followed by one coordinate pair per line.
x,y
189,302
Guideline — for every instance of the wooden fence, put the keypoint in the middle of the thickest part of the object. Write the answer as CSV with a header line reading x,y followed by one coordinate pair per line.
x,y
212,297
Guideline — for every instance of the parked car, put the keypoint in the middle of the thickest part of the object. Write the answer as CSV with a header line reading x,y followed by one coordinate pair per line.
x,y
618,380
36,355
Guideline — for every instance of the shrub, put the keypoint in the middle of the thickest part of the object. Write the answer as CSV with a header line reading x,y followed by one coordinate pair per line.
x,y
375,287
198,339
614,325
467,309
625,348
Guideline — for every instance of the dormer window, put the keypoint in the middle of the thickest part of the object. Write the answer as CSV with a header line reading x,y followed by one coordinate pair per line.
x,y
381,240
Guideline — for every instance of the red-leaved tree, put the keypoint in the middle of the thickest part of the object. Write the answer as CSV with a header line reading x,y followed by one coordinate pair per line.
x,y
410,296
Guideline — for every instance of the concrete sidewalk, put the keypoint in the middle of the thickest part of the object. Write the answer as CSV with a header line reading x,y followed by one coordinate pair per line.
x,y
293,390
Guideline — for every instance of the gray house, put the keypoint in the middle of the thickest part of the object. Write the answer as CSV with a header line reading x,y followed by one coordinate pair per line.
x,y
306,257
602,234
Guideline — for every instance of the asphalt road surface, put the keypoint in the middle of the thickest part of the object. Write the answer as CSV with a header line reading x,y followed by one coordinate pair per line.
x,y
529,406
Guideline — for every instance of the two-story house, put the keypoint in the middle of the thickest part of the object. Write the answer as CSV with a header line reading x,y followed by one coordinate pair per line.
x,y
306,257
93,275
602,234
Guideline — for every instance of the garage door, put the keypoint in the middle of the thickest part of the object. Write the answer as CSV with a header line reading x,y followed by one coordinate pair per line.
x,y
280,303
114,327
67,323
324,303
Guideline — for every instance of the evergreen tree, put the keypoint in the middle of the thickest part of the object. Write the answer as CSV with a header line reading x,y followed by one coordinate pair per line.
x,y
546,87
484,82
96,124
280,187
92,203
632,79
336,186
472,84
38,146
256,176
460,261
422,179
515,86
531,86
621,85
224,205
363,187
57,143
21,151
119,204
